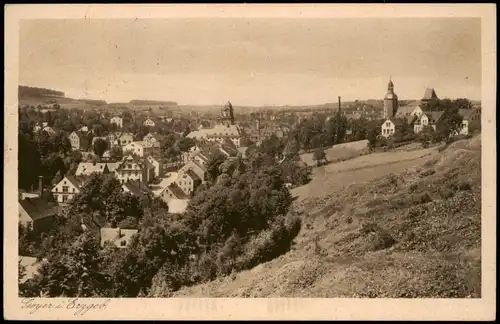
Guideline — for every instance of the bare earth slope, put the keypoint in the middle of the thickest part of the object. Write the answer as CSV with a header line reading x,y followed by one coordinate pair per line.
x,y
395,224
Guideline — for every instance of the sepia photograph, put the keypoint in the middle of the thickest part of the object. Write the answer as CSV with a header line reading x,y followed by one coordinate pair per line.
x,y
249,157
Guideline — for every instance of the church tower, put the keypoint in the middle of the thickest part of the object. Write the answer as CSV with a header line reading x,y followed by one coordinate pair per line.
x,y
227,114
390,102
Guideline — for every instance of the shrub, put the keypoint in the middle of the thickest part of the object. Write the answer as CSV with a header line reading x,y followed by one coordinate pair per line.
x,y
421,198
269,244
416,211
464,186
427,172
413,186
446,193
378,238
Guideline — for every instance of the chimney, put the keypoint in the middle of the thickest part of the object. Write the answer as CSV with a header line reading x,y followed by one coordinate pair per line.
x,y
40,185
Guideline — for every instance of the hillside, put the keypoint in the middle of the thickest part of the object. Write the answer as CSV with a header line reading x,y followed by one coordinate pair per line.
x,y
395,224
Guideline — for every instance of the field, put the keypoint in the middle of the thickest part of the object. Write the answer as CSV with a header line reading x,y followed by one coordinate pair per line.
x,y
395,225
339,152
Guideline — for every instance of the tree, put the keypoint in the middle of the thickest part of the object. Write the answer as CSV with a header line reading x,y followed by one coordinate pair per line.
x,y
105,195
72,273
213,165
451,123
462,103
291,148
319,155
184,144
100,146
426,135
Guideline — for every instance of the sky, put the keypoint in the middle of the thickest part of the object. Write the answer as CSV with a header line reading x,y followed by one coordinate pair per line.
x,y
252,61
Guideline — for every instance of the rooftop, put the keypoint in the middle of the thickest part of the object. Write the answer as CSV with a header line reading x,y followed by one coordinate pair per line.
x,y
37,208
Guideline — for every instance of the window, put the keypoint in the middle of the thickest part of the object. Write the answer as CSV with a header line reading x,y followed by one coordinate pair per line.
x,y
65,188
64,181
74,189
64,198
388,124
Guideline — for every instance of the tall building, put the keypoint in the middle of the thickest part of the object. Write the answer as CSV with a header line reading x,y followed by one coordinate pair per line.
x,y
227,114
390,102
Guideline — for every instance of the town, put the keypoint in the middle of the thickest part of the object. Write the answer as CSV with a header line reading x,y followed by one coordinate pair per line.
x,y
115,170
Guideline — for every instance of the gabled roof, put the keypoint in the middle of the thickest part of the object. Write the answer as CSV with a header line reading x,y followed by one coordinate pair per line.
x,y
190,173
429,94
137,188
37,208
78,182
177,191
466,113
229,147
405,111
87,168
436,115
397,121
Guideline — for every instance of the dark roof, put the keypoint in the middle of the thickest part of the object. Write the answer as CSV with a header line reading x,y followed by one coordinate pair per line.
x,y
76,181
177,191
435,115
137,188
37,208
466,113
397,121
190,173
197,164
429,94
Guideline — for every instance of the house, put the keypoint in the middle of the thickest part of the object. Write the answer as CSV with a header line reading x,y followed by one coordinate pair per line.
x,y
149,122
119,139
117,120
412,109
84,129
134,168
79,140
194,165
67,188
121,238
136,188
173,192
428,118
36,214
87,168
151,140
390,125
156,164
140,148
188,181
471,119
49,130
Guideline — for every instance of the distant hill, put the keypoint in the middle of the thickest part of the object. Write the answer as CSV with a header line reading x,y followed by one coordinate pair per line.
x,y
153,102
93,102
25,92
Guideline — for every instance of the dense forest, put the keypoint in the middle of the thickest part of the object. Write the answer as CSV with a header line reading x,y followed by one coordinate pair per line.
x,y
25,91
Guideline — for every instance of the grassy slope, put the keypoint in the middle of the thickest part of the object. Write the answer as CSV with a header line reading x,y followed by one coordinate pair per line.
x,y
355,208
